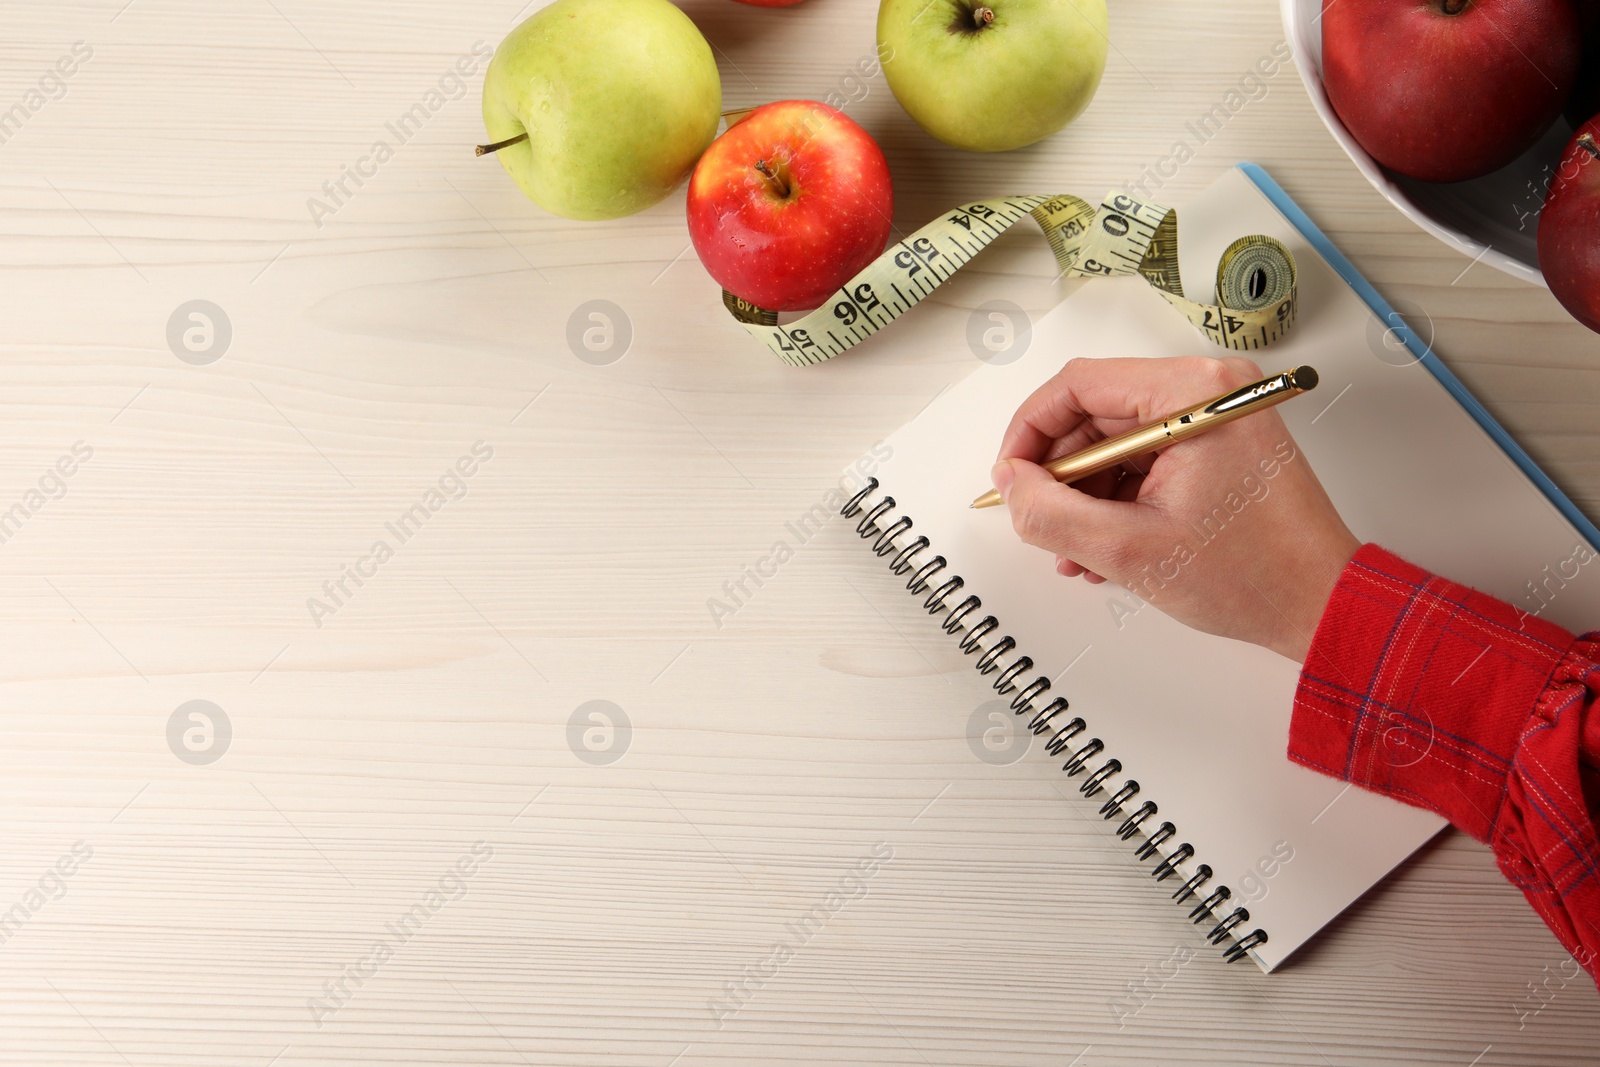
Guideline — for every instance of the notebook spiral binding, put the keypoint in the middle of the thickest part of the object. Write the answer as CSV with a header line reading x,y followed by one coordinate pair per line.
x,y
929,576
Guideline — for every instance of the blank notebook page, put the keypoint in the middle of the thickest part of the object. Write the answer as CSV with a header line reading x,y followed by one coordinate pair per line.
x,y
1201,722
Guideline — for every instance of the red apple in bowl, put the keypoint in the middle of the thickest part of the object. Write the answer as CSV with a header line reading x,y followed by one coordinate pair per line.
x,y
789,204
1569,228
1446,90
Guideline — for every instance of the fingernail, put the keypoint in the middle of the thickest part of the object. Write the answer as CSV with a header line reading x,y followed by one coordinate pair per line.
x,y
1002,476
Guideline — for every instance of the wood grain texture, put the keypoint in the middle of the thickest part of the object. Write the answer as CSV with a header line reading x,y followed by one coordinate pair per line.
x,y
431,710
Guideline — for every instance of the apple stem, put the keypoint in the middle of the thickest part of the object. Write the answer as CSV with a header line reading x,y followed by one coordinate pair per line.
x,y
1455,7
774,179
485,149
1586,142
982,16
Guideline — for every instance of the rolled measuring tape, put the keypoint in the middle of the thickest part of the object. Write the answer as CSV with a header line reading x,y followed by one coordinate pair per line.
x,y
1254,305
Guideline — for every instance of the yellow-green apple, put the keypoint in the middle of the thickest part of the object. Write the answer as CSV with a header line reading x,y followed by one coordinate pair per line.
x,y
1569,228
993,75
599,108
1446,90
789,204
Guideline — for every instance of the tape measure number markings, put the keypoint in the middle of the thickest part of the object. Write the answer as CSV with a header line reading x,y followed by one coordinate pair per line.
x,y
1256,280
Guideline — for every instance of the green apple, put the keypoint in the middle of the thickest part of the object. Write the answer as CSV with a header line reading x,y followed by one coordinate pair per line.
x,y
601,107
993,75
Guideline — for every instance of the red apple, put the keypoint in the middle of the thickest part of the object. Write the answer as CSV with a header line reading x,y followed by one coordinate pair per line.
x,y
1445,90
789,204
1569,228
770,3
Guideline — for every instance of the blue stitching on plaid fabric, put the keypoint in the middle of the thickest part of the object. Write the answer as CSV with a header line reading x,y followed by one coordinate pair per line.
x,y
1465,742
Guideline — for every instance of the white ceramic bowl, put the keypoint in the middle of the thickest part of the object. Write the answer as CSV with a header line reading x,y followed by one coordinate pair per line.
x,y
1493,219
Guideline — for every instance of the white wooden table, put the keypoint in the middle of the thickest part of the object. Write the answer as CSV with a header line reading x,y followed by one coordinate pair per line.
x,y
415,735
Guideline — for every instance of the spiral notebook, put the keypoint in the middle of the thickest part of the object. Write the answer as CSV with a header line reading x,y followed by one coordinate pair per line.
x,y
1177,738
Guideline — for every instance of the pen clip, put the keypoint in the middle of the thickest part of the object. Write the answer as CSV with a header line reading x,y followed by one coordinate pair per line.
x,y
1250,394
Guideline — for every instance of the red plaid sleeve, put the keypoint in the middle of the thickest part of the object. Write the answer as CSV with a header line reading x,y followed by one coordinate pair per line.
x,y
1446,698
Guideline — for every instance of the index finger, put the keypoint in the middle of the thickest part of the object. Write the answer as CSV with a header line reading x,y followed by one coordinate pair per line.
x,y
1112,394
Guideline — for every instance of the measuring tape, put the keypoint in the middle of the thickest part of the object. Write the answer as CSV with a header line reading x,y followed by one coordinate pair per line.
x,y
1255,291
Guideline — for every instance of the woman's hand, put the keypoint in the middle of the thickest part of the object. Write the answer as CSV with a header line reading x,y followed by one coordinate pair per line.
x,y
1228,532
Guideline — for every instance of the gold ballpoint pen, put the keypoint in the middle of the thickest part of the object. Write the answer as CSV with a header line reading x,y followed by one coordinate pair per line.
x,y
1257,396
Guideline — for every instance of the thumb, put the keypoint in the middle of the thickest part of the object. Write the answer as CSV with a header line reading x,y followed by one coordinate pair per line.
x,y
1095,533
